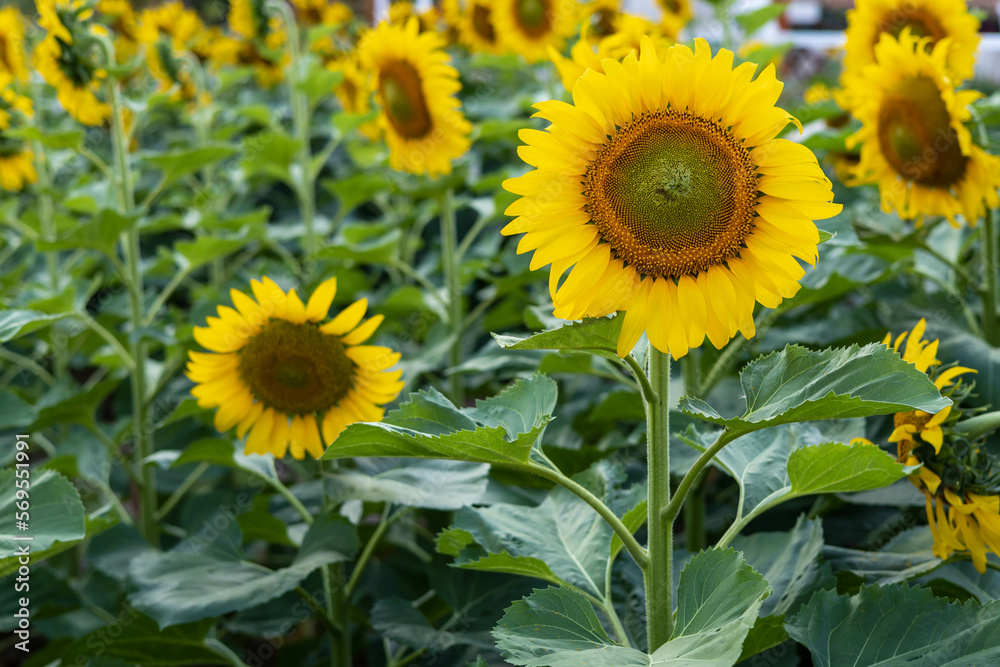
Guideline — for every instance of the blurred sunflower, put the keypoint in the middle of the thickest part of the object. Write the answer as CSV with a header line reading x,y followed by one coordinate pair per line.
x,y
66,58
279,371
664,188
322,12
914,143
600,17
121,19
676,15
415,89
529,27
168,31
585,54
353,92
16,161
933,19
955,471
13,66
473,21
263,39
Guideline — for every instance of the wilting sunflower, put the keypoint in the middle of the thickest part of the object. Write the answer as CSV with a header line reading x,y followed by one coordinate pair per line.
x,y
586,55
473,21
280,371
415,87
954,470
12,57
933,19
913,139
530,27
664,188
68,63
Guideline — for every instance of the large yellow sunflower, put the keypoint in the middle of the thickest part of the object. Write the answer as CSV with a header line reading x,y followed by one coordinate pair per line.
x,y
415,87
913,140
12,57
665,188
933,19
529,27
473,20
280,371
69,64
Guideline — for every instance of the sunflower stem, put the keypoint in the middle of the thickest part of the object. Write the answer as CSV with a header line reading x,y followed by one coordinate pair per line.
x,y
450,261
694,508
142,430
338,602
305,190
989,252
659,587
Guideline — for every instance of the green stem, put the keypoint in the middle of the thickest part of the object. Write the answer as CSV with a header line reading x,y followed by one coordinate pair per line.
x,y
658,576
305,189
694,510
671,511
338,602
388,517
451,261
287,494
989,251
142,431
184,487
27,364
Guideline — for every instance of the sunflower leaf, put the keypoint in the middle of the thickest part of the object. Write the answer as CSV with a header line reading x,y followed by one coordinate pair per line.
x,y
500,430
797,384
893,626
597,335
718,599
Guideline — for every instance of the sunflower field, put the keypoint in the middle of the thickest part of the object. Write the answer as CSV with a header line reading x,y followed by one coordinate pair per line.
x,y
498,332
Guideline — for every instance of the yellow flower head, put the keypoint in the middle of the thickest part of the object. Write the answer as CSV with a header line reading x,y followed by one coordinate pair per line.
x,y
69,64
17,167
353,92
415,89
11,104
676,15
934,19
530,27
473,20
13,65
124,25
282,372
663,191
322,12
914,142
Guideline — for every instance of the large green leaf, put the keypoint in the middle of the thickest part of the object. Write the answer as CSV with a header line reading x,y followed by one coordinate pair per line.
x,y
500,430
396,619
718,599
564,534
135,639
907,556
797,384
179,163
100,233
442,485
16,322
595,335
55,513
778,464
897,626
207,575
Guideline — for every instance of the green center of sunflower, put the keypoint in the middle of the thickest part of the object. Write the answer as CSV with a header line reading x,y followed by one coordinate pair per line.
x,y
481,22
919,22
533,16
673,193
403,96
916,136
295,368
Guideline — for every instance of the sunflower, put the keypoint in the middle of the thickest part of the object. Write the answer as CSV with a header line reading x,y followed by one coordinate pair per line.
x,y
474,23
933,19
586,55
913,140
10,104
600,17
414,87
168,31
12,58
280,372
122,21
529,27
17,167
264,36
676,15
951,470
664,188
322,12
67,63
353,92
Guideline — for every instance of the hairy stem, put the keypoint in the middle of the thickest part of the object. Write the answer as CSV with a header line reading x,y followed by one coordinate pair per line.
x,y
658,576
